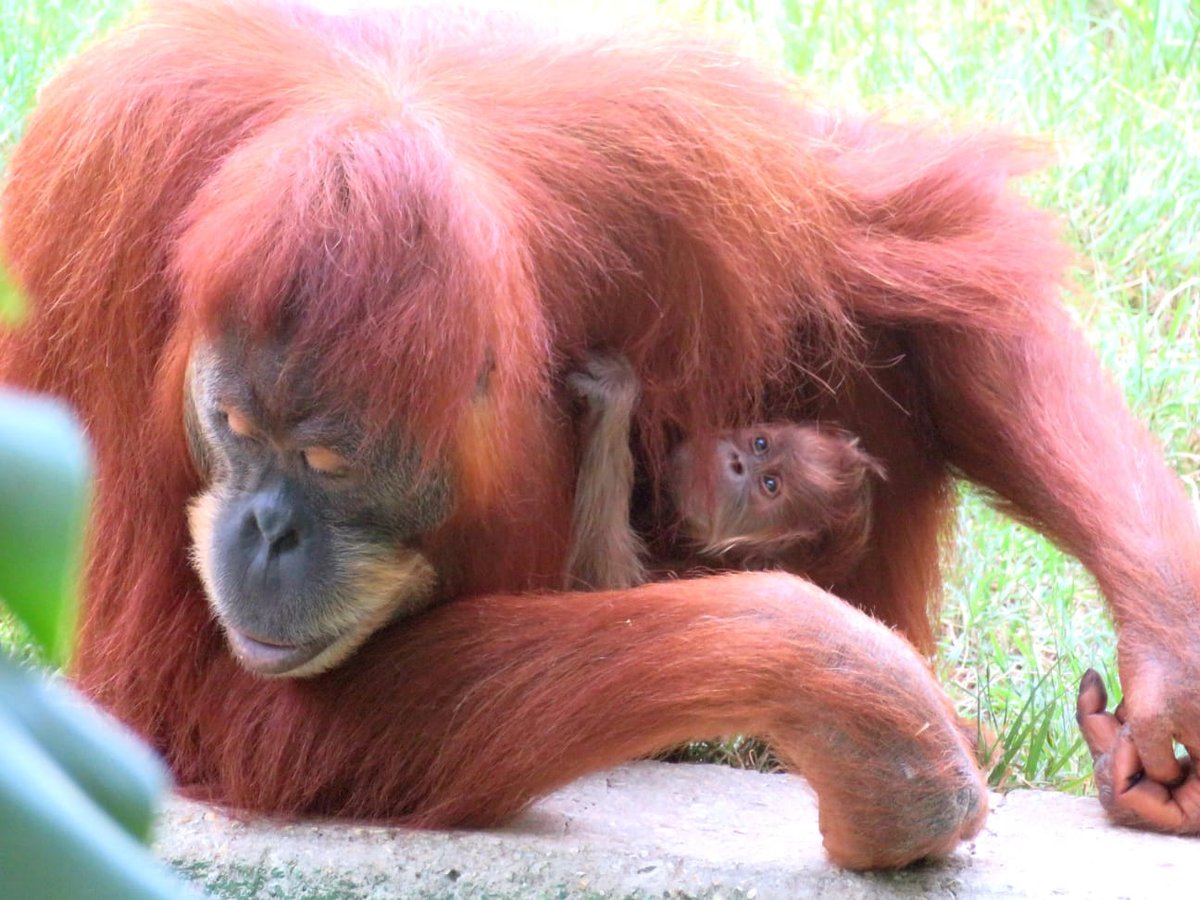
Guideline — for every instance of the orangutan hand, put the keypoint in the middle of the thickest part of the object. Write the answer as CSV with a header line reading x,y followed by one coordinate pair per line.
x,y
1163,796
607,384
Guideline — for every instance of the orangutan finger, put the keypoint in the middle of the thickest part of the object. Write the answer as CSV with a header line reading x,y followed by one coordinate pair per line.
x,y
1155,747
1135,792
1188,798
1092,697
1099,728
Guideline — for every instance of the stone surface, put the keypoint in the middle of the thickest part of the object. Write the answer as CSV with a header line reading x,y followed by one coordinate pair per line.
x,y
654,830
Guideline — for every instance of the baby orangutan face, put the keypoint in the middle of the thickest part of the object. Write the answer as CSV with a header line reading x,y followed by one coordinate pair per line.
x,y
764,489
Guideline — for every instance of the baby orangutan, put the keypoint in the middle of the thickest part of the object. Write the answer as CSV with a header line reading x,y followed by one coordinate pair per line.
x,y
782,495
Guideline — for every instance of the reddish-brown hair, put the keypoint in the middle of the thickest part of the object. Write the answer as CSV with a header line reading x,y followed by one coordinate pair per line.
x,y
425,203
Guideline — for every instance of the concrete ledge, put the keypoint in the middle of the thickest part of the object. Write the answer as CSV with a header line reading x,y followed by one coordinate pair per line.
x,y
655,830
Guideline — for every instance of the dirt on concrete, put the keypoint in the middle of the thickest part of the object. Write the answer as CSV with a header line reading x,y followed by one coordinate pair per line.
x,y
658,830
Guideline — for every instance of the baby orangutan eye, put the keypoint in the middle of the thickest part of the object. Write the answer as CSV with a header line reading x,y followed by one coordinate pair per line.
x,y
770,485
760,445
326,461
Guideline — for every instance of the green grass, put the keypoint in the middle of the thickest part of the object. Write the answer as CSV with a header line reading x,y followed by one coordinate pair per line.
x,y
1115,88
35,36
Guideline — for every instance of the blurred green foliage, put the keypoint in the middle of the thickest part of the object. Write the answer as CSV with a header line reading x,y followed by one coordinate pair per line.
x,y
77,791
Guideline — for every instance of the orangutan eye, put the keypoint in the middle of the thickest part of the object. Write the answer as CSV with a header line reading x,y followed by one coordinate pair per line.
x,y
760,445
237,422
770,485
326,461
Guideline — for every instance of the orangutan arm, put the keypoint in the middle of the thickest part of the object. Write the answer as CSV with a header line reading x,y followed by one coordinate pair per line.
x,y
605,552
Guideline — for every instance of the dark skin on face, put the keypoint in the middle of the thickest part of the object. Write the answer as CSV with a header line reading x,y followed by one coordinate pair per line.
x,y
794,496
303,536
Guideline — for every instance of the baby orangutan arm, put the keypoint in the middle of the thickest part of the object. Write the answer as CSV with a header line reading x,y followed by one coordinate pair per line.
x,y
605,552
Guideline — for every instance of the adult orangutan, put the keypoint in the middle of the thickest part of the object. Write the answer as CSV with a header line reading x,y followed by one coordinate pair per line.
x,y
314,282
793,496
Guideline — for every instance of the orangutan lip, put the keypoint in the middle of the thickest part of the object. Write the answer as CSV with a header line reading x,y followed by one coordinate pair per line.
x,y
273,659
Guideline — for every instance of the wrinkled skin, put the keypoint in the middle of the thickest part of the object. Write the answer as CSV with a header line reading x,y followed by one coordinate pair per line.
x,y
303,537
1165,797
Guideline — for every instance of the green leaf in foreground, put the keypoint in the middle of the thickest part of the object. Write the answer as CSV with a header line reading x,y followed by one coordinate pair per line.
x,y
75,792
44,470
105,760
